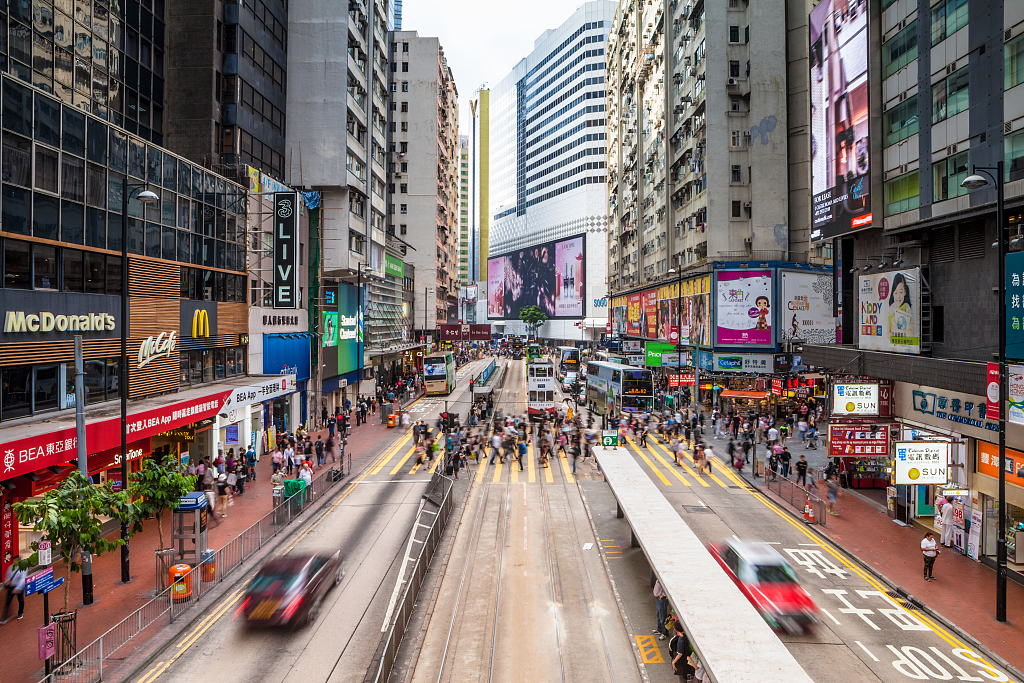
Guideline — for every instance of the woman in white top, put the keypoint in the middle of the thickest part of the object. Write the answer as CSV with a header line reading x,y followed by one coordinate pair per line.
x,y
930,549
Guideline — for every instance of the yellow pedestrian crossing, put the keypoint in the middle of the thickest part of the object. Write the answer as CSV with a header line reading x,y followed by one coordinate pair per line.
x,y
654,446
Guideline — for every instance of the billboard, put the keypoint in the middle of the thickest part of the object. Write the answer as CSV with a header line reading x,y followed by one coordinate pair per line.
x,y
550,275
470,295
634,315
922,462
806,307
330,329
855,399
857,441
840,149
350,330
744,308
890,311
696,303
286,246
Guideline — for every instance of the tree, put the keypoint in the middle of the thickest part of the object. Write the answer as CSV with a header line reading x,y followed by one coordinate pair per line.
x,y
68,517
533,316
156,488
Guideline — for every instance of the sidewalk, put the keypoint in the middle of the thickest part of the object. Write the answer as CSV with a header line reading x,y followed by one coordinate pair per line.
x,y
113,601
963,592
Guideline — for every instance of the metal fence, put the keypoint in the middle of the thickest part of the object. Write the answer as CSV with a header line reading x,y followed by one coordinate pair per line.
x,y
380,669
796,495
87,666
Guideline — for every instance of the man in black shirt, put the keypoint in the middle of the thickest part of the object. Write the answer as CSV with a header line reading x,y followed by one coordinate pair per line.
x,y
801,471
784,459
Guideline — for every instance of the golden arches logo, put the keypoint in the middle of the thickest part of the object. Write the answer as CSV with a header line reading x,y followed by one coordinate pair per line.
x,y
201,324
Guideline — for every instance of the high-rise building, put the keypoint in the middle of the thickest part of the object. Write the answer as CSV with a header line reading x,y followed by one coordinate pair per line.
x,y
547,234
229,102
464,211
424,153
697,112
479,172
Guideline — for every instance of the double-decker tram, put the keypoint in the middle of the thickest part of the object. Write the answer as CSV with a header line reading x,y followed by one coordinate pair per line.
x,y
540,387
439,373
613,389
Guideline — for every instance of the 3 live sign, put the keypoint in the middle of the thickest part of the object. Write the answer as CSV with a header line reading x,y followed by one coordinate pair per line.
x,y
922,462
285,249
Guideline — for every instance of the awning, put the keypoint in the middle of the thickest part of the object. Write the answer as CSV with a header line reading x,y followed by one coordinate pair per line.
x,y
735,393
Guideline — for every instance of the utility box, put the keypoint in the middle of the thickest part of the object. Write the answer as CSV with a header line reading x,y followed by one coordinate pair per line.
x,y
188,528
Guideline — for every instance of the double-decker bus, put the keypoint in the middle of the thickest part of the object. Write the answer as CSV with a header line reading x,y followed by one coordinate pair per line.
x,y
568,360
609,357
439,373
540,387
613,389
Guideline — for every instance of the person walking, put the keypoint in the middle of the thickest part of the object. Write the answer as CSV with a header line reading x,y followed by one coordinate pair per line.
x,y
801,471
521,451
930,550
833,491
661,605
319,447
222,494
14,582
785,458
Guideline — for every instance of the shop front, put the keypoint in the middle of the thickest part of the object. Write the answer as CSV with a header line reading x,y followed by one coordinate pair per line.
x,y
287,355
986,490
251,410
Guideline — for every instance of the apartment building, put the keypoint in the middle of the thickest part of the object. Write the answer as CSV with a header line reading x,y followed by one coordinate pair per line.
x,y
423,171
697,115
547,233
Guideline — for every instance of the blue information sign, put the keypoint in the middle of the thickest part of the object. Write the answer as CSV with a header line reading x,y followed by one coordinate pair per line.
x,y
42,582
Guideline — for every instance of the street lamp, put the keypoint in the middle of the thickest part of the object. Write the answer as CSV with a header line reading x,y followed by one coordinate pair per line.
x,y
975,182
145,197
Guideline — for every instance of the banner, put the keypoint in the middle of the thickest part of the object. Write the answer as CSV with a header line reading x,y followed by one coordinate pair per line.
x,y
743,308
992,391
696,313
1014,304
650,314
1015,394
394,267
634,315
890,311
330,328
350,337
569,277
854,441
550,275
286,245
806,307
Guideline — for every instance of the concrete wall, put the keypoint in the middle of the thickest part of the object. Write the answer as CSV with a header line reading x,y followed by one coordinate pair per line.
x,y
191,108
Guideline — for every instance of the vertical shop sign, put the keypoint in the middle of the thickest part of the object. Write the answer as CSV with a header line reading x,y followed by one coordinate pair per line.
x,y
992,392
1014,304
285,248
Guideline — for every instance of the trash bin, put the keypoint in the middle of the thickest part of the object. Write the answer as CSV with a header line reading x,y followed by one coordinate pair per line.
x,y
295,491
181,582
209,566
276,498
392,420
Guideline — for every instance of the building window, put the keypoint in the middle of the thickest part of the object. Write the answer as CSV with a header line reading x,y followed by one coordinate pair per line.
x,y
403,147
405,106
405,126
1014,155
403,188
948,17
405,86
737,138
734,69
950,95
734,34
737,176
405,47
948,174
899,51
737,209
902,194
404,208
1013,71
900,122
405,67
405,166
402,229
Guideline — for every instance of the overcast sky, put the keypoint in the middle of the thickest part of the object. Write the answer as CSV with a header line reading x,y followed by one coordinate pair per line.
x,y
483,39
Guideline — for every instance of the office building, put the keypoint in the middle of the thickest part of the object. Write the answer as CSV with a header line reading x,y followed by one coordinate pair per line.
x,y
464,211
425,156
546,237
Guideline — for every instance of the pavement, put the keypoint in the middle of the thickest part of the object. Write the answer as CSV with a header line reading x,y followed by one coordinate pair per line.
x,y
113,600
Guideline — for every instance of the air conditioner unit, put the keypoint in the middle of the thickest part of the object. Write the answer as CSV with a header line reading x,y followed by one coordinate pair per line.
x,y
748,241
732,82
746,205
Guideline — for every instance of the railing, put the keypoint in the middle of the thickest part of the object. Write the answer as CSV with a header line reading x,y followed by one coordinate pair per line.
x,y
796,495
88,664
380,670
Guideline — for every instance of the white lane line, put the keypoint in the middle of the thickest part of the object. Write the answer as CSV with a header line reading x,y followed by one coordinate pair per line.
x,y
401,576
813,545
866,650
831,617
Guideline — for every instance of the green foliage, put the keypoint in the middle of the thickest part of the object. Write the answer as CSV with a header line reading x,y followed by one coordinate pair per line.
x,y
69,517
533,316
156,488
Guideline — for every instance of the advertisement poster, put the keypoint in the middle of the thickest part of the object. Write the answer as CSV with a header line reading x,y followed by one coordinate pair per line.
x,y
890,311
330,329
569,277
1015,393
650,313
806,308
496,287
696,313
853,441
744,362
840,184
974,535
471,294
855,399
668,301
617,316
922,462
551,275
988,462
350,337
634,315
744,308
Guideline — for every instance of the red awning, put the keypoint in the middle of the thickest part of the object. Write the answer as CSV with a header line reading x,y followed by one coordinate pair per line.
x,y
735,393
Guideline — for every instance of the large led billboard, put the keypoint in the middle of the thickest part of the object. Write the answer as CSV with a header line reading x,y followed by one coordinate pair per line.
x,y
840,146
350,330
550,275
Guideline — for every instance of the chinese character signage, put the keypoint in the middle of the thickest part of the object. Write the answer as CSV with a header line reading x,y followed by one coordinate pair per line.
x,y
890,311
286,244
1015,305
938,407
922,462
744,314
988,462
855,399
855,441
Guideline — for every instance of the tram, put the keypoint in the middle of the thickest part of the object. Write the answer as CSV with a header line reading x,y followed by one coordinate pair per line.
x,y
540,387
613,389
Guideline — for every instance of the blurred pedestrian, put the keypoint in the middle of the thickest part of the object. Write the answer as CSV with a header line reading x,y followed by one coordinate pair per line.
x,y
222,494
930,550
14,582
661,605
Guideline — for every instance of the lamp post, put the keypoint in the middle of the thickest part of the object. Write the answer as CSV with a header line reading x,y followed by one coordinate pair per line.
x,y
975,182
145,197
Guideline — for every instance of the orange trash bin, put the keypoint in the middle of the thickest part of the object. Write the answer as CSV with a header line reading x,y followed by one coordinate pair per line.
x,y
181,582
209,566
391,420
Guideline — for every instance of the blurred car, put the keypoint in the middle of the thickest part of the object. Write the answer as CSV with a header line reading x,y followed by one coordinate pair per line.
x,y
288,591
567,380
769,583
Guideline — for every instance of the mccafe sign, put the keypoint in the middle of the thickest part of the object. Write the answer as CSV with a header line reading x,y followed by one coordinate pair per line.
x,y
58,316
156,347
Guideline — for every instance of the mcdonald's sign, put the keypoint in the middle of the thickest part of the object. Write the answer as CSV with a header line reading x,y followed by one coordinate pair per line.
x,y
198,319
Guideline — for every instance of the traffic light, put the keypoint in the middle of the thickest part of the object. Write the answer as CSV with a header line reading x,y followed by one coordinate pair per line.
x,y
686,396
471,387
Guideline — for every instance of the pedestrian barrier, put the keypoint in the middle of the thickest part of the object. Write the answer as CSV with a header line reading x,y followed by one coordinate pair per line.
x,y
791,492
384,659
186,589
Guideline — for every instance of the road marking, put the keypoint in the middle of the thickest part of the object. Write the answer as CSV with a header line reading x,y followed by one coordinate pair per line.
x,y
671,468
649,650
531,464
401,463
567,469
829,614
699,480
497,471
391,451
513,469
400,581
866,650
481,468
664,479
